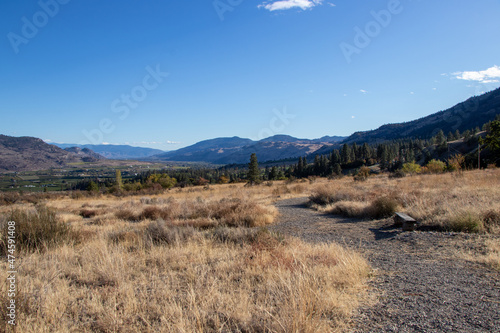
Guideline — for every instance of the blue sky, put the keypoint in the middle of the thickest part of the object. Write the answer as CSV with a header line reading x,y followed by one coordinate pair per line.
x,y
166,74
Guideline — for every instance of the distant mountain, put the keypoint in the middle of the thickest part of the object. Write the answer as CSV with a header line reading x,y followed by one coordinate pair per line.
x,y
86,154
331,139
238,150
27,153
472,113
116,152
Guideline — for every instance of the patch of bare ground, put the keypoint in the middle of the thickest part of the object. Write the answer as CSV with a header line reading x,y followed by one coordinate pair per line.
x,y
423,280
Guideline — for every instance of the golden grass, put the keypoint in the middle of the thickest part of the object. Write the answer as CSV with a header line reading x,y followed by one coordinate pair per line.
x,y
485,251
466,201
177,267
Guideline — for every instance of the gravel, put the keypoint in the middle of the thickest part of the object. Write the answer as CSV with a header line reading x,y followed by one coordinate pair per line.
x,y
421,282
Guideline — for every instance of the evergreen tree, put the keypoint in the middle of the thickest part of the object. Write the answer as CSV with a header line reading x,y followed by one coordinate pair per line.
x,y
334,157
273,174
345,155
337,169
365,152
253,170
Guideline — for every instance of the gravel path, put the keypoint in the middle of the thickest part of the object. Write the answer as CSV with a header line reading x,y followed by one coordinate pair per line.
x,y
421,283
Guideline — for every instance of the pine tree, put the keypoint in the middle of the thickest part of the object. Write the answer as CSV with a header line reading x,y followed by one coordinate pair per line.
x,y
345,155
337,169
273,174
253,170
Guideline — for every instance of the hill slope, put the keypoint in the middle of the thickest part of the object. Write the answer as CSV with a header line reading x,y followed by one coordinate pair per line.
x,y
466,115
27,153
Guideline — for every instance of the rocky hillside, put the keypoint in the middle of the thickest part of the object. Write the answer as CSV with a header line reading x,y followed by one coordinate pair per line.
x,y
27,153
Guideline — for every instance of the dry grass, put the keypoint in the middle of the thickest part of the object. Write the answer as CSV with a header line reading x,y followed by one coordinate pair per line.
x,y
183,261
485,251
462,201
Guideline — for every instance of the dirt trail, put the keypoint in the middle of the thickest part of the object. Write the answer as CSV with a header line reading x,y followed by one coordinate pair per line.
x,y
421,283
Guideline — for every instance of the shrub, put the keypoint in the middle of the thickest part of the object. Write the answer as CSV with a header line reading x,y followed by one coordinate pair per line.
x,y
491,220
88,213
456,162
382,208
465,222
36,230
324,196
411,168
236,212
348,209
9,198
362,174
158,232
435,166
153,213
397,174
127,215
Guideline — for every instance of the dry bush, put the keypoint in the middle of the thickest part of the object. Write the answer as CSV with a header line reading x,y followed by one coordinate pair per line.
x,y
36,229
127,215
159,232
9,198
379,208
325,195
491,220
382,207
88,213
238,212
348,209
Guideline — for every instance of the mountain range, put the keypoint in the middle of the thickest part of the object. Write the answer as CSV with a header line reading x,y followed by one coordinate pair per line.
x,y
116,152
238,150
26,153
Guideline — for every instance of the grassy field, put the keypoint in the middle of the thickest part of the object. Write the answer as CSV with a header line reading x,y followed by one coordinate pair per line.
x,y
186,261
200,259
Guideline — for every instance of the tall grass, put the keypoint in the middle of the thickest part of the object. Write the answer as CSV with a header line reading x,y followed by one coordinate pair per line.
x,y
185,261
466,201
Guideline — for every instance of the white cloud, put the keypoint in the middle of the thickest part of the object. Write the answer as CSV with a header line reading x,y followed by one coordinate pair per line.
x,y
490,75
289,4
412,93
363,91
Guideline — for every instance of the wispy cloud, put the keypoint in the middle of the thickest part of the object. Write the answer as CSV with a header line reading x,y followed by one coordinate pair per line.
x,y
363,91
289,4
490,75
